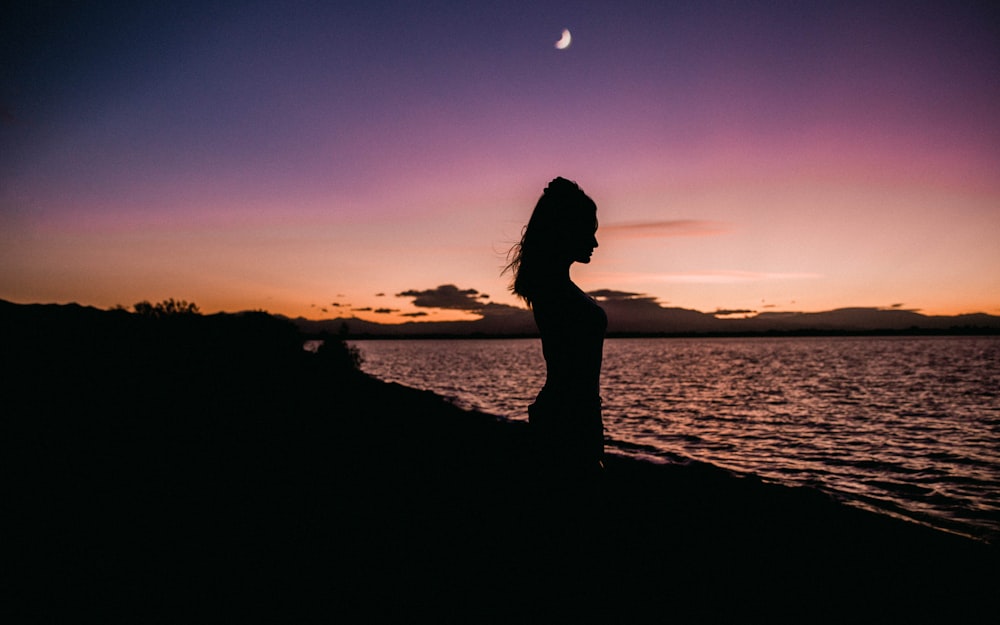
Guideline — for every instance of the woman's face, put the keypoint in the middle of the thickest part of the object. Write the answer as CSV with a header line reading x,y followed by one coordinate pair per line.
x,y
583,242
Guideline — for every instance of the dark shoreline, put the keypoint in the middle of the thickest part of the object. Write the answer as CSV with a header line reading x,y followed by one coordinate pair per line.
x,y
197,468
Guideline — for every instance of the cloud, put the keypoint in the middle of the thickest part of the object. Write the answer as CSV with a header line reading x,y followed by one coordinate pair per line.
x,y
419,313
611,295
725,312
385,311
450,297
608,294
901,307
447,296
666,228
496,310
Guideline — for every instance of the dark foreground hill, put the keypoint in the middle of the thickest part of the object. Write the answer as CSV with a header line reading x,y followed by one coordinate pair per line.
x,y
206,468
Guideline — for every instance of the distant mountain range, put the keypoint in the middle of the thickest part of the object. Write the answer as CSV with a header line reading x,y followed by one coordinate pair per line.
x,y
636,317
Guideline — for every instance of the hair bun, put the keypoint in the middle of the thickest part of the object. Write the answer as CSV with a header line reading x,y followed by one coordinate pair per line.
x,y
560,185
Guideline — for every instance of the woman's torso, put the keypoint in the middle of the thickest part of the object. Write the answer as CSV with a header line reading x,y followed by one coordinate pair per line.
x,y
572,328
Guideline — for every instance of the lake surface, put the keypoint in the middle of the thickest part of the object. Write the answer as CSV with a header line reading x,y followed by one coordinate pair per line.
x,y
908,426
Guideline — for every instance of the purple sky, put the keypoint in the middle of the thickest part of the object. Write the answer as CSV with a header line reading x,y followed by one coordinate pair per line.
x,y
293,155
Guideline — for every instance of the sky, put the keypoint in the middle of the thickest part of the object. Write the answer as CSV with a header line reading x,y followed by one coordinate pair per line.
x,y
334,159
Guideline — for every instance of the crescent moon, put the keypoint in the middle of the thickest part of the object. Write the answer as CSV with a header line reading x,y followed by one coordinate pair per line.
x,y
564,41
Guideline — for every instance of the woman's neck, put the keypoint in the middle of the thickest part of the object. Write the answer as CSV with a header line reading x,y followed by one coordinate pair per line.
x,y
556,273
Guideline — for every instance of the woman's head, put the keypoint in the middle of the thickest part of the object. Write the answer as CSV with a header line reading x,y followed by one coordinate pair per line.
x,y
560,232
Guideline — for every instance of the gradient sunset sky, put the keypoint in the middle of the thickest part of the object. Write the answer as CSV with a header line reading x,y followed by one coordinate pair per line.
x,y
319,158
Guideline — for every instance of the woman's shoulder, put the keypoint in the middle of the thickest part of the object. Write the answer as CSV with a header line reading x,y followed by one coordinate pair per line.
x,y
564,301
555,294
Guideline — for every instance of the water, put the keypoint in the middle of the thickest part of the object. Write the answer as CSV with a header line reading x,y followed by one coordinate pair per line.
x,y
908,426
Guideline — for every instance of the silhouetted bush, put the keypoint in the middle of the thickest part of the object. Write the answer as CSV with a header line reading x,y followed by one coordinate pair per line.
x,y
166,308
338,355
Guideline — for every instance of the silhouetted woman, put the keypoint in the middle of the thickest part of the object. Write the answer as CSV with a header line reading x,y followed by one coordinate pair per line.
x,y
565,420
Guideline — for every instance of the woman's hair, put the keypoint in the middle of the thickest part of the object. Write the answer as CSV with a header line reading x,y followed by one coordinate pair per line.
x,y
563,213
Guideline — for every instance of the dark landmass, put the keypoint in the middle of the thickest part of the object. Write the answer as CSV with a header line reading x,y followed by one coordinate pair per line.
x,y
191,469
646,318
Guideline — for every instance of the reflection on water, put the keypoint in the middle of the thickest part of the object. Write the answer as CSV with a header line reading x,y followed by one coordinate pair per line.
x,y
905,425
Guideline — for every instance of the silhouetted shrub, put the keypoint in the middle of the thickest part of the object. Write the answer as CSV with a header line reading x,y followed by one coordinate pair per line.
x,y
166,308
338,355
